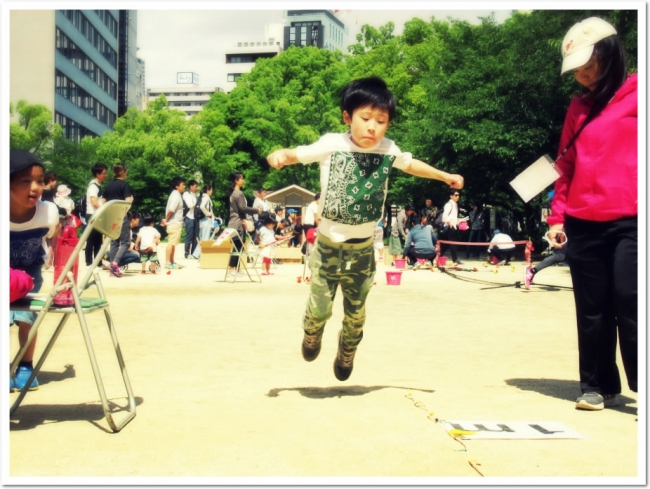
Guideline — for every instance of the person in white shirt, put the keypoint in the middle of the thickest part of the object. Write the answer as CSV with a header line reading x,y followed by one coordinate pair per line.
x,y
147,244
501,246
312,216
450,220
174,221
191,225
94,201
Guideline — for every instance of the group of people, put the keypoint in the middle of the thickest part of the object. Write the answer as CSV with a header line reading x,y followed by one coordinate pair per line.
x,y
594,210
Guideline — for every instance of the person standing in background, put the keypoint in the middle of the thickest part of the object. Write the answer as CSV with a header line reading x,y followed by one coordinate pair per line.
x,y
191,225
118,189
94,201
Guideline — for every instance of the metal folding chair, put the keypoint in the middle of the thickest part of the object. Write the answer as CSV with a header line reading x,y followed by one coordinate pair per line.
x,y
108,221
248,255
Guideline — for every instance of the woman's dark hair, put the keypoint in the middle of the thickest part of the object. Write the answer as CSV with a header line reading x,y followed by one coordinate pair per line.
x,y
118,169
206,187
612,68
371,91
234,176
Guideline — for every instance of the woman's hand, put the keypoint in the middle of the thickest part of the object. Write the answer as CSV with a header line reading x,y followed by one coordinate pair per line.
x,y
556,235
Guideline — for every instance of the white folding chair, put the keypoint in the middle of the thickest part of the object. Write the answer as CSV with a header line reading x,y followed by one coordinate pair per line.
x,y
108,221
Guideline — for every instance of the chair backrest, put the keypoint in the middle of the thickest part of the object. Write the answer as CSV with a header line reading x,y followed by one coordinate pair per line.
x,y
108,218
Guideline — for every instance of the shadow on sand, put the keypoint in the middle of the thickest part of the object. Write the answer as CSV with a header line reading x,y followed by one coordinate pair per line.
x,y
567,390
348,390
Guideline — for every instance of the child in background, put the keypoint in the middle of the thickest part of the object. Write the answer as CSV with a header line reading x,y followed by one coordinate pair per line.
x,y
354,169
267,237
147,244
31,221
378,240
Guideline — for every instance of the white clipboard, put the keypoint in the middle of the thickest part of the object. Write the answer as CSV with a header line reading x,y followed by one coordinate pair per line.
x,y
535,178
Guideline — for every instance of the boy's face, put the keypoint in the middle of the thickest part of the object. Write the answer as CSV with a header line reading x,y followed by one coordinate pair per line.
x,y
26,187
181,187
367,125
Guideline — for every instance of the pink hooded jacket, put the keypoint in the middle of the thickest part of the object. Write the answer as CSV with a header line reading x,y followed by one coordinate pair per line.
x,y
599,172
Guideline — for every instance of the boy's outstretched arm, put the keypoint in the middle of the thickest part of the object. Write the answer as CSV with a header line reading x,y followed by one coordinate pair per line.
x,y
282,157
421,169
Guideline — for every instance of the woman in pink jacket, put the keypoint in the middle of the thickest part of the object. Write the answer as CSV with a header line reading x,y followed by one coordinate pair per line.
x,y
595,203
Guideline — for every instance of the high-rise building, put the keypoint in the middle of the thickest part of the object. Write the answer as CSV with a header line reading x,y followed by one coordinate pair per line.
x,y
241,58
320,28
81,64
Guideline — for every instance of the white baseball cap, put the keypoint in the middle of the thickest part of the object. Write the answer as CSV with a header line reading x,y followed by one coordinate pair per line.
x,y
578,44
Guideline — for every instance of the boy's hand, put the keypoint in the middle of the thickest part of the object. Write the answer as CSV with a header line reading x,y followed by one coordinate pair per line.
x,y
456,181
281,158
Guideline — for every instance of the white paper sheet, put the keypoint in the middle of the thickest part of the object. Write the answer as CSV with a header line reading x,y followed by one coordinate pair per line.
x,y
535,178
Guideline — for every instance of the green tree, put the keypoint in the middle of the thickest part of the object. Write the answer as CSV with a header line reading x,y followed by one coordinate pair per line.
x,y
285,101
35,129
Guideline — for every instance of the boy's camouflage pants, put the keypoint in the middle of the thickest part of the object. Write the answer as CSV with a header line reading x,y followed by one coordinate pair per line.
x,y
351,265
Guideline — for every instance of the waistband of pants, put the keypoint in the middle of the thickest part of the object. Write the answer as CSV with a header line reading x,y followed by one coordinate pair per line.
x,y
351,244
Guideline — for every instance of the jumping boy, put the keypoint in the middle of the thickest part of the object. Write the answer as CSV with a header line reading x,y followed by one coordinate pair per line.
x,y
354,168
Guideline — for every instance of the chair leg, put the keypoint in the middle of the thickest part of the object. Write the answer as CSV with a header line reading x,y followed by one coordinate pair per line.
x,y
115,426
40,362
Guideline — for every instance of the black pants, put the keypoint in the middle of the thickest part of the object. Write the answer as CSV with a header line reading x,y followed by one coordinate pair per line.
x,y
413,256
451,234
603,263
238,245
93,244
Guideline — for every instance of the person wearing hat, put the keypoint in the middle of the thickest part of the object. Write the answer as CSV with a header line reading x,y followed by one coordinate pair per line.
x,y
296,227
596,204
63,200
31,221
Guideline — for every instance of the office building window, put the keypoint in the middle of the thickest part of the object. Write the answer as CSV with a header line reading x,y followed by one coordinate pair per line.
x,y
79,59
69,90
233,76
81,23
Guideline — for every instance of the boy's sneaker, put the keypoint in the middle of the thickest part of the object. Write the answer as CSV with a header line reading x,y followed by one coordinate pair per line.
x,y
311,344
593,401
115,270
12,384
528,277
171,266
178,266
22,376
343,362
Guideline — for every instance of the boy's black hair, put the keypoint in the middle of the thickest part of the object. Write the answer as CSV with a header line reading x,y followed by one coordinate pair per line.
x,y
176,181
98,168
192,182
149,220
371,91
132,215
267,218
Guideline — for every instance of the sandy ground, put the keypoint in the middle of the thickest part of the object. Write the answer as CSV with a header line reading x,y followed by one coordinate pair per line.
x,y
224,395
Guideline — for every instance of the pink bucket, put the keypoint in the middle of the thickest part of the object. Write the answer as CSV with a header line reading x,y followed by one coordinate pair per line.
x,y
393,278
400,263
442,261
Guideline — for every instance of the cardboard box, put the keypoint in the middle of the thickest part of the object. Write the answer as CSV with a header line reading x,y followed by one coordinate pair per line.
x,y
215,256
286,254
